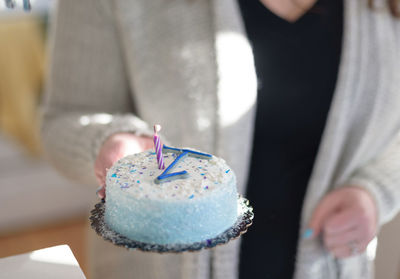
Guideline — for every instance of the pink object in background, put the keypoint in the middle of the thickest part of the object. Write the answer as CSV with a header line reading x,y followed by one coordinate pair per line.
x,y
158,147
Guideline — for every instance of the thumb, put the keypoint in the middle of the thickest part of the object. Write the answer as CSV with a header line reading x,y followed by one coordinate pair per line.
x,y
327,206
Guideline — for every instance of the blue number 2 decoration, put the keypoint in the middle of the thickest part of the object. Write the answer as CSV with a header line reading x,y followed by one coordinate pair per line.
x,y
182,154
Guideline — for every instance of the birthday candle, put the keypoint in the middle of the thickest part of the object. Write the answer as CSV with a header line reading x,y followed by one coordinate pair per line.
x,y
158,147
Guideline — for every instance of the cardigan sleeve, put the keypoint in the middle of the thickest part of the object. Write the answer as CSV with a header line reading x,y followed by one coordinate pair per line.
x,y
87,96
381,177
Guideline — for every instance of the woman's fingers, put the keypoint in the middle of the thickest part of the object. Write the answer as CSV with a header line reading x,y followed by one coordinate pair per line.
x,y
342,251
347,218
101,192
101,178
328,206
356,240
345,233
342,221
349,248
332,241
113,149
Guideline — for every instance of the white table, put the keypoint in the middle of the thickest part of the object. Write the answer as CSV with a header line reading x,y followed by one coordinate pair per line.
x,y
49,263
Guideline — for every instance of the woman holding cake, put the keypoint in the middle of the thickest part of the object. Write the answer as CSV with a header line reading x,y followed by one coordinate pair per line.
x,y
317,150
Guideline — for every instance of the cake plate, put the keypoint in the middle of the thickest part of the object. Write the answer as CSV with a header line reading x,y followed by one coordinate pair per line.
x,y
244,220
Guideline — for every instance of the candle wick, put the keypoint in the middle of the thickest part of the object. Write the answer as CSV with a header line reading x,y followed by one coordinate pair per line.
x,y
157,128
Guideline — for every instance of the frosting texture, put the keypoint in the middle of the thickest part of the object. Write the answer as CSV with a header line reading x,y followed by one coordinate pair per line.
x,y
183,210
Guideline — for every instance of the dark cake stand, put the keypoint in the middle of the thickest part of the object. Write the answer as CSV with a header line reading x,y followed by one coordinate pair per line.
x,y
243,221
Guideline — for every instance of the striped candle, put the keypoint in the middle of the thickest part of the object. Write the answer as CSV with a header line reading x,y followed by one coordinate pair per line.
x,y
158,147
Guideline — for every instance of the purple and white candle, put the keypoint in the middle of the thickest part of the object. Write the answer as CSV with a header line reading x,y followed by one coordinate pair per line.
x,y
158,147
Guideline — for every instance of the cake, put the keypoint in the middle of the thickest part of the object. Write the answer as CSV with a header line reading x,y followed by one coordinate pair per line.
x,y
192,200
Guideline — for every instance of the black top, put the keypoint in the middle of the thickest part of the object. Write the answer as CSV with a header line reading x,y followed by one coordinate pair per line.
x,y
297,65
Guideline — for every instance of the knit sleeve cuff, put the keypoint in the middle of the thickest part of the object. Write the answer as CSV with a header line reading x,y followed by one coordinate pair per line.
x,y
127,123
378,187
72,140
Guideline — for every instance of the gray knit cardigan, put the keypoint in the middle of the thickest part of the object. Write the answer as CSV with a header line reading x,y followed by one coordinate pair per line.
x,y
124,65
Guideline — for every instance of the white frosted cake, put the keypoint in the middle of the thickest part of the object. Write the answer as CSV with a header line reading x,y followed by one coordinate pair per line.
x,y
181,209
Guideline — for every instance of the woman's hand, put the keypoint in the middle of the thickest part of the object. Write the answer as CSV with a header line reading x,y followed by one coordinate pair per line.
x,y
347,219
114,148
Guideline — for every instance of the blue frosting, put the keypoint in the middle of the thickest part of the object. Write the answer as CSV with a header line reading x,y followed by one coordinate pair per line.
x,y
159,222
188,210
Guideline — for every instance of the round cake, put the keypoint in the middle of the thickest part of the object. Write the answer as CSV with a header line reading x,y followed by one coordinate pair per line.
x,y
193,199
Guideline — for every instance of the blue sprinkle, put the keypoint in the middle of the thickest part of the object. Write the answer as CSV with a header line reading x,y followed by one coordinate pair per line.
x,y
114,175
227,171
200,167
152,153
191,197
206,187
138,181
202,173
132,171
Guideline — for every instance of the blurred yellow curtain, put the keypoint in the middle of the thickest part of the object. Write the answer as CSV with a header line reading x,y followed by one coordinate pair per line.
x,y
21,79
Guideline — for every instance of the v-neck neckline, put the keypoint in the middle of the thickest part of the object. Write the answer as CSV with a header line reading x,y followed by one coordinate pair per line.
x,y
265,9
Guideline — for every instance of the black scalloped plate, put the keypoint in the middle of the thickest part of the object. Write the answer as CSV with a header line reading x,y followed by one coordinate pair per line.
x,y
245,219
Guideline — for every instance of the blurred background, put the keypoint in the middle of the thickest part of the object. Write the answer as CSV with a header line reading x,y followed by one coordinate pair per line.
x,y
38,207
